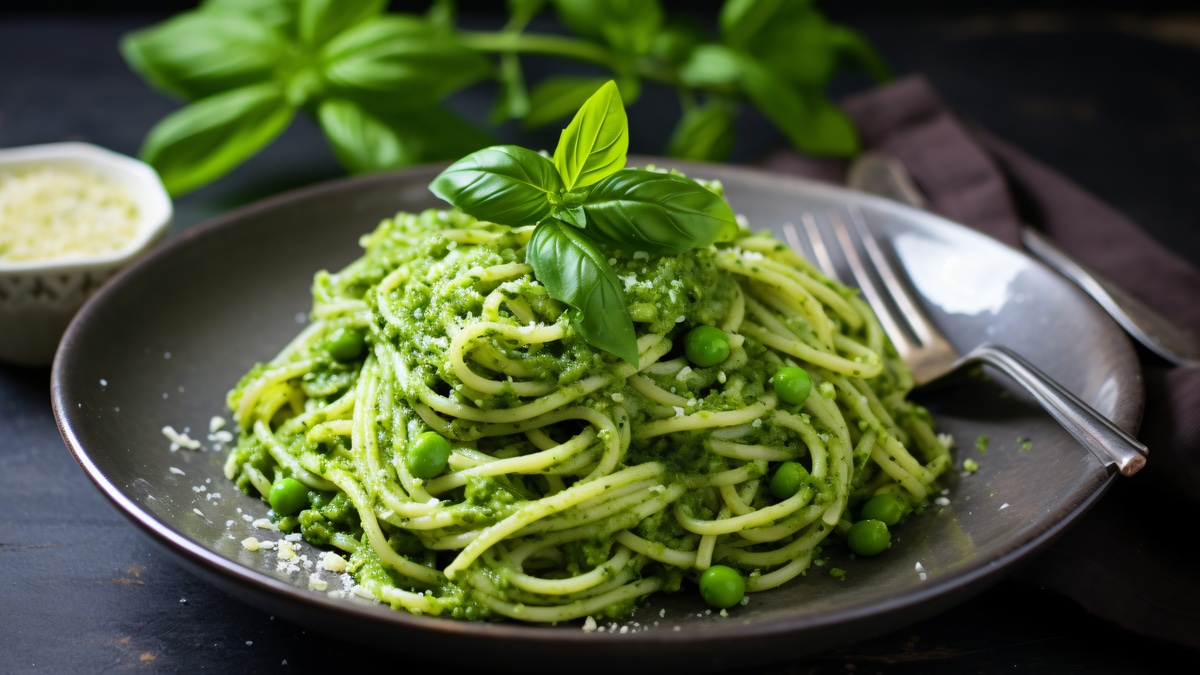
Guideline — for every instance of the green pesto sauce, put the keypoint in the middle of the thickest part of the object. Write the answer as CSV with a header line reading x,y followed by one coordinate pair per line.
x,y
438,295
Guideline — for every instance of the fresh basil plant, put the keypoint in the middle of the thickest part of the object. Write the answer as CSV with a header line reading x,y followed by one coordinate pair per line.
x,y
376,81
586,205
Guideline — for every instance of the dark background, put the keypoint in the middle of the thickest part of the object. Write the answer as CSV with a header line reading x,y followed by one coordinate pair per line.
x,y
1107,93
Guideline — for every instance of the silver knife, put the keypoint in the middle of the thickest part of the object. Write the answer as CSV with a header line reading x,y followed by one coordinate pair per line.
x,y
884,175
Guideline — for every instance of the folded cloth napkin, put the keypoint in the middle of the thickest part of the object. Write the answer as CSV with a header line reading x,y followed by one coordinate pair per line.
x,y
1124,560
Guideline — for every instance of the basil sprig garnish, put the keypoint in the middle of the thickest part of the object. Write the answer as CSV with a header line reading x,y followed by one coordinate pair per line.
x,y
586,205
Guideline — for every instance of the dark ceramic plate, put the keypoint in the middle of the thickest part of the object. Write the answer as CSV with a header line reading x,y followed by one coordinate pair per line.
x,y
164,341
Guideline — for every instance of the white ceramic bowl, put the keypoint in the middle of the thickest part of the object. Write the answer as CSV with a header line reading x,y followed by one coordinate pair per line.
x,y
39,298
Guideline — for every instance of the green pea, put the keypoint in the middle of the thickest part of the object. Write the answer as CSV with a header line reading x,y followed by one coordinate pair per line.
x,y
792,384
706,346
288,496
346,343
788,479
883,507
722,586
869,537
428,455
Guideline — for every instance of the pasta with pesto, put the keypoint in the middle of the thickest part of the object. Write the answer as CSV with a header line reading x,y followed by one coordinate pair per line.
x,y
576,483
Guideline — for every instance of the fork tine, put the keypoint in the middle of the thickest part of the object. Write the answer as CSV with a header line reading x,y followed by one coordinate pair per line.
x,y
913,315
878,297
811,246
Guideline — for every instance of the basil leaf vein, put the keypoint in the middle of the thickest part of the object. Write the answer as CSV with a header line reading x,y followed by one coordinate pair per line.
x,y
506,184
205,140
659,213
596,141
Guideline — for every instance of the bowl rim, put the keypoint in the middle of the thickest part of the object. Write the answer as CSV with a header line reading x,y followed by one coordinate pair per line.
x,y
155,206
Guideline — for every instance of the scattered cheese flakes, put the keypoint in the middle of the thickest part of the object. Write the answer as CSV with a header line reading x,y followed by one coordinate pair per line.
x,y
589,625
201,514
721,377
942,501
683,373
264,524
333,562
1003,506
362,592
618,396
177,471
250,544
286,550
179,440
316,583
921,571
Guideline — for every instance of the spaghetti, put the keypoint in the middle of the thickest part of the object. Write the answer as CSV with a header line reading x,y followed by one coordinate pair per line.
x,y
578,483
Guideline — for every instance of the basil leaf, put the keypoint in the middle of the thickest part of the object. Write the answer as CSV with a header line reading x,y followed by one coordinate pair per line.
x,y
627,25
704,133
676,40
796,46
322,19
831,131
504,184
573,216
197,54
442,13
742,20
711,65
399,62
362,141
365,140
208,138
659,213
574,272
278,14
594,144
558,96
811,123
855,51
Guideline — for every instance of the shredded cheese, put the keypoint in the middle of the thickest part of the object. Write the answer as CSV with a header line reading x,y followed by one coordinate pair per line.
x,y
62,212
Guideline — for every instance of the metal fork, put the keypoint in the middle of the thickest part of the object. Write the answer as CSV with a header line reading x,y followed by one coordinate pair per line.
x,y
930,355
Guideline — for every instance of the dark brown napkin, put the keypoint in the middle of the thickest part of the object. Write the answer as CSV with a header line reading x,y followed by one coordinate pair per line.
x,y
1127,560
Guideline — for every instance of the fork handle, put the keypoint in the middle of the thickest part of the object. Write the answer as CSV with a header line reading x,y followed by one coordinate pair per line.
x,y
1096,432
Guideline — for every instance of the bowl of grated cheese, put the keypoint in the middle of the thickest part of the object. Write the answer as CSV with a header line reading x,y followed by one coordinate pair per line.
x,y
71,215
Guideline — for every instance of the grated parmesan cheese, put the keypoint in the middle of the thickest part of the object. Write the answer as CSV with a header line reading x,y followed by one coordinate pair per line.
x,y
63,212
179,440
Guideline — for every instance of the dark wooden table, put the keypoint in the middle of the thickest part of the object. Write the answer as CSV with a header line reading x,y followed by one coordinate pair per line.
x,y
1111,101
